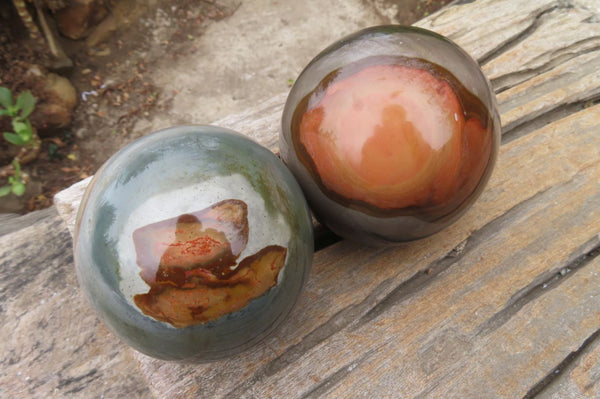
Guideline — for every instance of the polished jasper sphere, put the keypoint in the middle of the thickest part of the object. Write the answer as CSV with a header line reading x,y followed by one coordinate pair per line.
x,y
193,243
392,133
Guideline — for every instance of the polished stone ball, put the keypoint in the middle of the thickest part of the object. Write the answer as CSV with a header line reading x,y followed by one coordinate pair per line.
x,y
193,243
392,132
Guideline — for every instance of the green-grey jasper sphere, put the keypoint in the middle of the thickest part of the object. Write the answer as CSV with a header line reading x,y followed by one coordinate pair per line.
x,y
193,243
392,132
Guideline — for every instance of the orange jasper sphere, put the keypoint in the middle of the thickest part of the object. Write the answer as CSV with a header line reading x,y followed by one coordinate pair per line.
x,y
389,148
393,137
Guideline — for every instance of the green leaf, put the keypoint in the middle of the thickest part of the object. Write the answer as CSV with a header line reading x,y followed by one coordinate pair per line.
x,y
19,126
13,110
18,188
26,102
29,127
5,190
3,112
14,138
23,130
6,97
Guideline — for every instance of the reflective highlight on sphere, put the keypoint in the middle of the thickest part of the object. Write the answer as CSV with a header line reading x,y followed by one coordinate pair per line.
x,y
193,243
388,147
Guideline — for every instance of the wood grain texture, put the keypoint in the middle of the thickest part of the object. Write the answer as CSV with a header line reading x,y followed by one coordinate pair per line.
x,y
51,342
504,303
487,27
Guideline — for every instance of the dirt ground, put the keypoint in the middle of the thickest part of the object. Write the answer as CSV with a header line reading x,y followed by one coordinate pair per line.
x,y
122,82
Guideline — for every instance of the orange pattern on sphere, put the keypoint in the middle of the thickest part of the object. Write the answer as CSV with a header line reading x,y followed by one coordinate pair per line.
x,y
190,264
395,136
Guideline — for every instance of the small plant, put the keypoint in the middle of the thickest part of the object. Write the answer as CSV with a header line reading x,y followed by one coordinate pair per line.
x,y
19,112
23,135
16,185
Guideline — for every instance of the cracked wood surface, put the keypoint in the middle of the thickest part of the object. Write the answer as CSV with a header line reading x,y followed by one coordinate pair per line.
x,y
504,303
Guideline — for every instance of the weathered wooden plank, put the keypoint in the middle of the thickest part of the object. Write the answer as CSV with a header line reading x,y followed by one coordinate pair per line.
x,y
67,202
446,359
51,342
577,378
574,81
560,34
486,27
10,222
